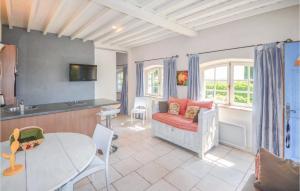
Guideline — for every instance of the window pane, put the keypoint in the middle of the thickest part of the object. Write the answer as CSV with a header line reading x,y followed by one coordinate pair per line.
x,y
209,74
251,72
209,85
221,73
221,85
221,96
240,85
251,86
209,94
240,97
240,72
251,98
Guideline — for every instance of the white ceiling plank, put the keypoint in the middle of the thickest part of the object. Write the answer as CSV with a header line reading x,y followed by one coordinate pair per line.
x,y
214,10
33,7
149,41
133,33
144,36
193,8
8,4
140,13
174,6
106,28
109,47
240,10
245,14
53,16
90,23
75,17
131,25
152,4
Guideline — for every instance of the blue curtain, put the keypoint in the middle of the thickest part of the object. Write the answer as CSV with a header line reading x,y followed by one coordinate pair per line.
x,y
124,92
268,97
169,78
140,79
194,78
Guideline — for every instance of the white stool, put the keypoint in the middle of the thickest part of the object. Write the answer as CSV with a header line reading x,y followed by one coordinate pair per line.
x,y
108,112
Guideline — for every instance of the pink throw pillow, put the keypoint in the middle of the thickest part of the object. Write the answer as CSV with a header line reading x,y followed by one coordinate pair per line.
x,y
181,102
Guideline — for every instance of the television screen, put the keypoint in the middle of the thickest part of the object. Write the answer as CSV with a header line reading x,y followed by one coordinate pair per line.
x,y
82,72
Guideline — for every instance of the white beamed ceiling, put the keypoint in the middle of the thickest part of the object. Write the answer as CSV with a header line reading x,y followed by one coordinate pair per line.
x,y
139,22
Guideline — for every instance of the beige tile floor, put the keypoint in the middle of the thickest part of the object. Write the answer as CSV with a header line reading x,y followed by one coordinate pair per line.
x,y
147,163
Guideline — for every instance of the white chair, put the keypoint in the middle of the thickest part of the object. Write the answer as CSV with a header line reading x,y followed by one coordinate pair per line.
x,y
102,137
141,105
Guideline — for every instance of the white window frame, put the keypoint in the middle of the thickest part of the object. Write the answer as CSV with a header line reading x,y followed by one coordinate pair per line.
x,y
146,71
230,78
232,64
117,81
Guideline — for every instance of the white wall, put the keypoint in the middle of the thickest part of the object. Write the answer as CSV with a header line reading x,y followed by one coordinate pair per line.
x,y
105,86
270,27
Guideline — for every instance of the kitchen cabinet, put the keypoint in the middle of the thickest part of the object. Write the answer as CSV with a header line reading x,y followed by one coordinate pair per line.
x,y
8,62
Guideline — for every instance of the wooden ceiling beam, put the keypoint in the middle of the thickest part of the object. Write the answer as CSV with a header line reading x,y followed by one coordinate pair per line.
x,y
173,6
33,7
145,36
75,17
90,23
151,40
214,10
54,14
193,8
107,27
244,12
8,4
131,25
147,16
130,34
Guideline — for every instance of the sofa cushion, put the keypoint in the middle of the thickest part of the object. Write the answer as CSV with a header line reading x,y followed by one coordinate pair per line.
x,y
177,121
181,102
191,112
277,174
201,104
174,108
163,106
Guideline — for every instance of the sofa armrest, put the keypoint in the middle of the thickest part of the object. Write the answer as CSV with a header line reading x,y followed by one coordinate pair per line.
x,y
208,125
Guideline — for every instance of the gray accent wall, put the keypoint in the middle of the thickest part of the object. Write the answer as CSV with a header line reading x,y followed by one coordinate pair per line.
x,y
43,66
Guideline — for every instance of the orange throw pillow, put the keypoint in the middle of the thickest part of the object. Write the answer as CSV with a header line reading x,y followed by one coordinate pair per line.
x,y
174,108
181,102
201,104
191,112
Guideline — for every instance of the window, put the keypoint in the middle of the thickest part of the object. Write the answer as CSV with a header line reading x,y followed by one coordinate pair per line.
x,y
153,82
229,82
119,81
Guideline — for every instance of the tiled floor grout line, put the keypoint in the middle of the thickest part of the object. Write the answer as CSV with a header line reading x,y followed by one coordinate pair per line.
x,y
146,138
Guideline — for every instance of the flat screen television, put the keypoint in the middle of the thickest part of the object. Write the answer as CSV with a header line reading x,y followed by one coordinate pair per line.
x,y
82,72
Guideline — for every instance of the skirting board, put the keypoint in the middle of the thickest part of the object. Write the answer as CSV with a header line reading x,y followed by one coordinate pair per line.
x,y
232,135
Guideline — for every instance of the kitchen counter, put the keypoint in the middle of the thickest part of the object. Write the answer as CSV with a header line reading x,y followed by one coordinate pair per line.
x,y
45,109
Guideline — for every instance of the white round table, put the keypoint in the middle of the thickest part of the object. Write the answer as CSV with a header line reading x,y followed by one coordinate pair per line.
x,y
50,165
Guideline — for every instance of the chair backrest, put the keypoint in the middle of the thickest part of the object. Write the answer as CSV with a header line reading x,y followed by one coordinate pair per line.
x,y
141,102
102,137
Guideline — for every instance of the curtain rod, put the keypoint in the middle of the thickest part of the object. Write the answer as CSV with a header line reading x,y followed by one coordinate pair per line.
x,y
176,56
240,47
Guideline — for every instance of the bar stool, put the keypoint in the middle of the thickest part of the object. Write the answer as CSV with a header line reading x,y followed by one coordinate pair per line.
x,y
108,112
